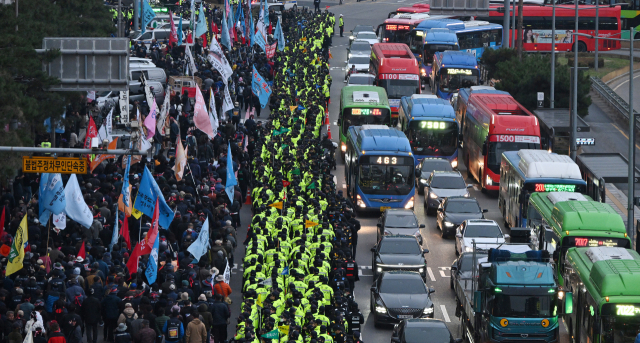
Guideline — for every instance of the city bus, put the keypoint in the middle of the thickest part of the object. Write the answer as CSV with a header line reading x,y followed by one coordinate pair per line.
x,y
362,105
438,39
478,35
528,171
451,71
397,71
606,296
416,8
562,220
398,29
379,168
492,122
430,125
537,27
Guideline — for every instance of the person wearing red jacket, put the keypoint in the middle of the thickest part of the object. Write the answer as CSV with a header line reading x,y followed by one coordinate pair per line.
x,y
55,336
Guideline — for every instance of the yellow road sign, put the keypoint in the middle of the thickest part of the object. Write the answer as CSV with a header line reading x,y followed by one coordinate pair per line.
x,y
62,165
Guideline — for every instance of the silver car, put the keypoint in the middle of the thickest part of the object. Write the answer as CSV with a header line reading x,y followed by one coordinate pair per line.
x,y
485,233
443,184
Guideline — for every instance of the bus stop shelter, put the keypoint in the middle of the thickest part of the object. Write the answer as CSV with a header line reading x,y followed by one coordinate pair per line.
x,y
555,129
600,168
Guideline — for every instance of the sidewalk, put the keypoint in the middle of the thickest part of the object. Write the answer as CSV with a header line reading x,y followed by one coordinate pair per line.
x,y
618,200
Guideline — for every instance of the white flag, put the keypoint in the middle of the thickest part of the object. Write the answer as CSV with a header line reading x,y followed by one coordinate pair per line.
x,y
227,104
76,208
227,273
164,111
192,63
108,124
213,115
60,221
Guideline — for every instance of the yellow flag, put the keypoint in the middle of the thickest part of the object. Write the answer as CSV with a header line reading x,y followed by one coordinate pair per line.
x,y
277,205
16,255
292,108
308,224
260,299
134,212
181,160
284,329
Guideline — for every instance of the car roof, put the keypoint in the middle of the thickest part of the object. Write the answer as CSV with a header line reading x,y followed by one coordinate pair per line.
x,y
366,75
426,322
450,173
361,42
461,199
399,211
481,222
367,32
398,237
400,275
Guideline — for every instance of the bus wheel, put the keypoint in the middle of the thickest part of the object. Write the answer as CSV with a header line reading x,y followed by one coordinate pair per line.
x,y
581,47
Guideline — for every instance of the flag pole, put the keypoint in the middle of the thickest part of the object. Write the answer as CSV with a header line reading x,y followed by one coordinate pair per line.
x,y
194,182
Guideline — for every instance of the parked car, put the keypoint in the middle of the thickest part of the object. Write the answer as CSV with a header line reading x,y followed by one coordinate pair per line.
x,y
454,210
441,185
486,233
399,222
399,252
400,295
426,167
422,330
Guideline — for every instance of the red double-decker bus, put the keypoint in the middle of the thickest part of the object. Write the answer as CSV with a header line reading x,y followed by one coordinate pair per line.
x,y
397,71
492,122
537,27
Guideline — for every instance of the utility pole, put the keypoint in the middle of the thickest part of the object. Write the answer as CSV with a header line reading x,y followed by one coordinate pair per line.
x,y
552,96
120,28
596,51
505,23
520,33
136,14
513,25
574,107
632,153
16,15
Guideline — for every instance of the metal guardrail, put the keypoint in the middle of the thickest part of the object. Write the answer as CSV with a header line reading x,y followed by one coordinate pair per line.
x,y
613,98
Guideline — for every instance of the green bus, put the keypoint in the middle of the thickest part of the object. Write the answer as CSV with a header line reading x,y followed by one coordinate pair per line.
x,y
362,105
562,220
605,294
630,17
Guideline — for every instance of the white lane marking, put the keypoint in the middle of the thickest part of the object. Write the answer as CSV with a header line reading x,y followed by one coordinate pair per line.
x,y
335,123
445,314
476,188
344,185
623,82
442,270
335,180
431,276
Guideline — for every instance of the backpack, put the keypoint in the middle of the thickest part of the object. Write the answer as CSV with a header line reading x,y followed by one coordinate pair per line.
x,y
173,329
128,322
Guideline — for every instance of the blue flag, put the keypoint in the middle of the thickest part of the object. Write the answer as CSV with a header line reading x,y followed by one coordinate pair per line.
x,y
43,214
146,200
147,14
260,88
116,233
53,198
252,31
279,36
230,24
180,32
201,245
201,27
231,176
152,266
259,39
225,39
285,271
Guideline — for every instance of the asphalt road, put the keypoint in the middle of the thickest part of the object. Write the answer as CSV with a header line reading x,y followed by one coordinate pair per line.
x,y
621,87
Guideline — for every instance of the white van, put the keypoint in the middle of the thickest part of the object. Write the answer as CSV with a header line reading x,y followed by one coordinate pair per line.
x,y
151,74
158,35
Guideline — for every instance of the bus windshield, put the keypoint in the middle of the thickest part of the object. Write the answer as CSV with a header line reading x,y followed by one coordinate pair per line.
x,y
364,116
433,138
431,49
396,89
622,323
497,148
394,33
524,306
386,179
451,80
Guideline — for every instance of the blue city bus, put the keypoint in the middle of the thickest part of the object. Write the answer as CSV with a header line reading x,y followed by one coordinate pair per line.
x,y
430,125
478,35
418,35
453,70
379,168
435,40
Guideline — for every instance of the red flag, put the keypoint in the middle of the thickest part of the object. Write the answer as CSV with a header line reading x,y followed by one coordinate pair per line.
x,y
173,36
147,243
2,221
132,264
285,183
92,132
204,39
82,253
125,232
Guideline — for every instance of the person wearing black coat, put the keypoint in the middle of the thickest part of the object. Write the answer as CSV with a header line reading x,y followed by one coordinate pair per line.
x,y
111,312
91,309
220,314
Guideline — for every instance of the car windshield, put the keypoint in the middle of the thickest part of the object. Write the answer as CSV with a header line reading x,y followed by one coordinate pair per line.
x,y
448,182
524,306
435,165
386,180
367,35
404,220
399,246
433,138
497,148
396,89
462,207
360,46
358,60
483,231
418,334
408,285
360,80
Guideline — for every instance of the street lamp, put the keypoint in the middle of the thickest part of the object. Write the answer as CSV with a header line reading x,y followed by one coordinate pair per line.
x,y
632,119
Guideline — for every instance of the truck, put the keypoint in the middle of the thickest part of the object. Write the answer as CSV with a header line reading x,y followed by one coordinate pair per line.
x,y
510,295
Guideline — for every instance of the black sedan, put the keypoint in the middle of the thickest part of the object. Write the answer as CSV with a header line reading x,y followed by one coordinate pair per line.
x,y
399,252
400,295
454,210
426,167
399,222
422,331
